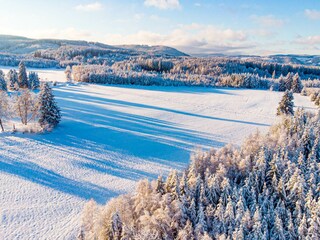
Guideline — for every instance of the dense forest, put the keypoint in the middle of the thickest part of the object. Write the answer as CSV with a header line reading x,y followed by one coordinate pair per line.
x,y
267,189
199,72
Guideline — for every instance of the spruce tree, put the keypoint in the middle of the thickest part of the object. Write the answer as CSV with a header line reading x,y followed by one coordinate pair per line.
x,y
286,104
296,84
3,83
49,112
22,76
34,82
12,79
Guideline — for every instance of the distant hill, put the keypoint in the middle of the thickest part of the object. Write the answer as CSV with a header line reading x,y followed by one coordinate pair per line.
x,y
155,50
22,45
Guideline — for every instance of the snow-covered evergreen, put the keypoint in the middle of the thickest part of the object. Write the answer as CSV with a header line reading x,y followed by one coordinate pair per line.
x,y
12,79
33,81
286,104
49,112
3,83
22,76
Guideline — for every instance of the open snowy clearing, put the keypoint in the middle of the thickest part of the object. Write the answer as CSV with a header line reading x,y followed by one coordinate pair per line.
x,y
45,74
109,138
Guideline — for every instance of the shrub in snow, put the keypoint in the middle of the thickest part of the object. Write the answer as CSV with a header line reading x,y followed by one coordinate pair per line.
x,y
267,189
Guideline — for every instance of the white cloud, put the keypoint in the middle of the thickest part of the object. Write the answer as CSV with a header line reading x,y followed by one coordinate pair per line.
x,y
91,7
310,40
67,33
312,14
193,38
268,21
163,4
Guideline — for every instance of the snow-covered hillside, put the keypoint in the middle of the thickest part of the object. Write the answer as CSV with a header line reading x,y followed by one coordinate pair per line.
x,y
109,138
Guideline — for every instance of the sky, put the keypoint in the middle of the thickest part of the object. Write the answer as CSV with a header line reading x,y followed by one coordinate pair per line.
x,y
197,27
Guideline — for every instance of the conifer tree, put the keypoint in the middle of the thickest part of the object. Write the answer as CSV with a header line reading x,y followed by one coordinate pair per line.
x,y
22,76
296,84
34,82
12,79
286,104
3,83
49,112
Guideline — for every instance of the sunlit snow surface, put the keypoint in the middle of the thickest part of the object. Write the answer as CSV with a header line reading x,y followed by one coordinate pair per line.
x,y
109,138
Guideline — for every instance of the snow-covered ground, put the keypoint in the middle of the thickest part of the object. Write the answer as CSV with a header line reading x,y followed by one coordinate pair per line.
x,y
45,74
109,138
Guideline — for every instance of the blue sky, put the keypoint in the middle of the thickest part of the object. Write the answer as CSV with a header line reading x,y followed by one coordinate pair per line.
x,y
203,26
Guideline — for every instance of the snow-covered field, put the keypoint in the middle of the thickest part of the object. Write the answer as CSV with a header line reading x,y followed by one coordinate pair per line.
x,y
109,138
46,74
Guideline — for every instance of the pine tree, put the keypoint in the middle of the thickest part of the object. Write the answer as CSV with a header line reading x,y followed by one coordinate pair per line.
x,y
288,81
296,84
282,84
286,104
3,83
22,76
34,82
12,79
49,112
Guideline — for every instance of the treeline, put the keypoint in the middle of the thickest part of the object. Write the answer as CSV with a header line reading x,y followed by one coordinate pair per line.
x,y
126,73
267,189
222,65
75,55
14,60
14,80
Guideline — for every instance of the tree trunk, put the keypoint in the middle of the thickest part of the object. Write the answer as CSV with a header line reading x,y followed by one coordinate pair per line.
x,y
1,125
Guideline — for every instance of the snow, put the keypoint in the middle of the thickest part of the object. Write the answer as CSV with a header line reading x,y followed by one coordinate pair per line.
x,y
45,74
109,138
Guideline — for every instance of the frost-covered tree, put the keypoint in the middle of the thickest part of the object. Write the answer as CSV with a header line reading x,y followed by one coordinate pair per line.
x,y
3,83
48,110
68,73
296,84
286,104
12,79
34,82
24,105
4,108
22,76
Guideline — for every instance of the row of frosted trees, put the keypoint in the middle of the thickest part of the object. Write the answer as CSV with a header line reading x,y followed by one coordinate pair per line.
x,y
164,72
14,80
267,189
